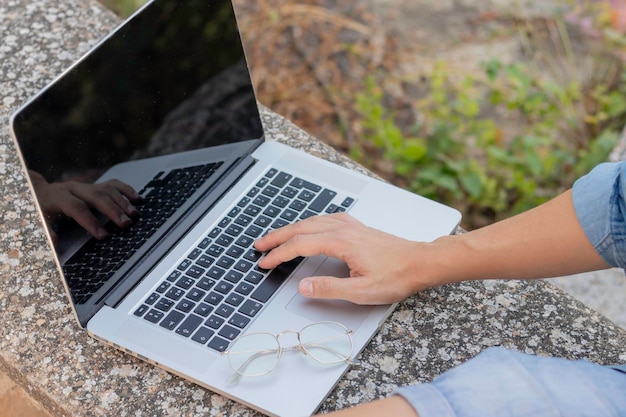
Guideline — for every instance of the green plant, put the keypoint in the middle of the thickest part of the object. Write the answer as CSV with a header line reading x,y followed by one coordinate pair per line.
x,y
459,152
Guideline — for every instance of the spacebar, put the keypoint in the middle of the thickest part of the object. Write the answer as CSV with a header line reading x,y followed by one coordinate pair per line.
x,y
274,280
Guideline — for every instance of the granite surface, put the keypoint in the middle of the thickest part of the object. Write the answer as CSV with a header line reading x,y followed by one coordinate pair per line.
x,y
46,352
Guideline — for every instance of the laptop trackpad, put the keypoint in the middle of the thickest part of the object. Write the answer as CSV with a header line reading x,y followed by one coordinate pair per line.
x,y
349,314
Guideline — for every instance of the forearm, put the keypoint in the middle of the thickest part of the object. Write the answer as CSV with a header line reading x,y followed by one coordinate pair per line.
x,y
543,242
393,406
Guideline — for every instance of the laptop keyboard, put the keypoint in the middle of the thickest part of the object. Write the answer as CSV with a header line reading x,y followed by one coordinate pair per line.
x,y
217,288
90,268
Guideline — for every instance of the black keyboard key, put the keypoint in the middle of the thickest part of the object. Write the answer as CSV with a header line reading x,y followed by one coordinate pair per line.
x,y
270,191
271,211
254,277
234,299
164,304
280,223
289,192
185,282
214,322
234,230
262,201
244,288
219,344
243,220
189,326
172,320
244,241
243,265
185,305
224,311
244,202
263,221
203,335
347,202
203,309
204,243
281,201
254,231
281,179
225,262
163,287
289,215
174,293
215,250
238,320
205,261
250,308
215,272
253,255
274,280
152,299
235,251
194,254
186,263
271,172
214,298
322,200
306,195
205,283
229,332
223,287
195,271
297,205
233,276
195,294
306,214
224,240
174,275
252,211
141,310
154,316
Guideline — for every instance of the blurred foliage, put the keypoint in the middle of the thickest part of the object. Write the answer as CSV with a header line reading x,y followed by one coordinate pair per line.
x,y
491,144
458,153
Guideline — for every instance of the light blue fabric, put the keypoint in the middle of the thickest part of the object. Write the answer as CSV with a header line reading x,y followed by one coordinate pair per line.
x,y
504,383
600,207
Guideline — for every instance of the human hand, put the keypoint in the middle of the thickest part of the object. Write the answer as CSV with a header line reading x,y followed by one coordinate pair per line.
x,y
383,267
112,198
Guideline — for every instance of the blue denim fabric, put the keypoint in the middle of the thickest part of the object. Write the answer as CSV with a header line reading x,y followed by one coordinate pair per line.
x,y
601,209
503,383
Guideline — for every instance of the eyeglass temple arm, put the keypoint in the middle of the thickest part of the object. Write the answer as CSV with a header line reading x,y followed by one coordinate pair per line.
x,y
329,349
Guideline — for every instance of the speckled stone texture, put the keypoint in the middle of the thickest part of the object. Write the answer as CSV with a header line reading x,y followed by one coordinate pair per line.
x,y
46,352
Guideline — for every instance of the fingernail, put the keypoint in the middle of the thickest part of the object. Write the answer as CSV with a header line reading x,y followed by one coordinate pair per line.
x,y
125,219
102,233
306,288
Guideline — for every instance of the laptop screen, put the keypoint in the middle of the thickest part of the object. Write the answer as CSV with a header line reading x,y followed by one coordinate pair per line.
x,y
174,80
162,103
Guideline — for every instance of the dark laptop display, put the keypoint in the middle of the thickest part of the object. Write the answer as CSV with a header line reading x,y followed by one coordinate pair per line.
x,y
136,102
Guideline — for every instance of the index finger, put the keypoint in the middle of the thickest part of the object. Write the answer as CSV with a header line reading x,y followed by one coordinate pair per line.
x,y
315,224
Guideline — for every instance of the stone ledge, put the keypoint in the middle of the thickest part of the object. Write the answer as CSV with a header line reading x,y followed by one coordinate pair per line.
x,y
70,374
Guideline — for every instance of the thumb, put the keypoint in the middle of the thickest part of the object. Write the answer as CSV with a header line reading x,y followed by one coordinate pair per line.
x,y
325,287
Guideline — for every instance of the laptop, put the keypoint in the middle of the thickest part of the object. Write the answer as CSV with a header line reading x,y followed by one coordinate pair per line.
x,y
165,104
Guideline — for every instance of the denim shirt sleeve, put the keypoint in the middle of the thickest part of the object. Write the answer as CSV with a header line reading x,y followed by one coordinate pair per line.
x,y
600,207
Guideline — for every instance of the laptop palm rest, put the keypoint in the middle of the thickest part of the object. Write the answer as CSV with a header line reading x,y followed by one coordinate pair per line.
x,y
349,314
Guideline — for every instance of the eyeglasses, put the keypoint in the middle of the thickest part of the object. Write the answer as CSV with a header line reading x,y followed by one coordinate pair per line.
x,y
257,354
